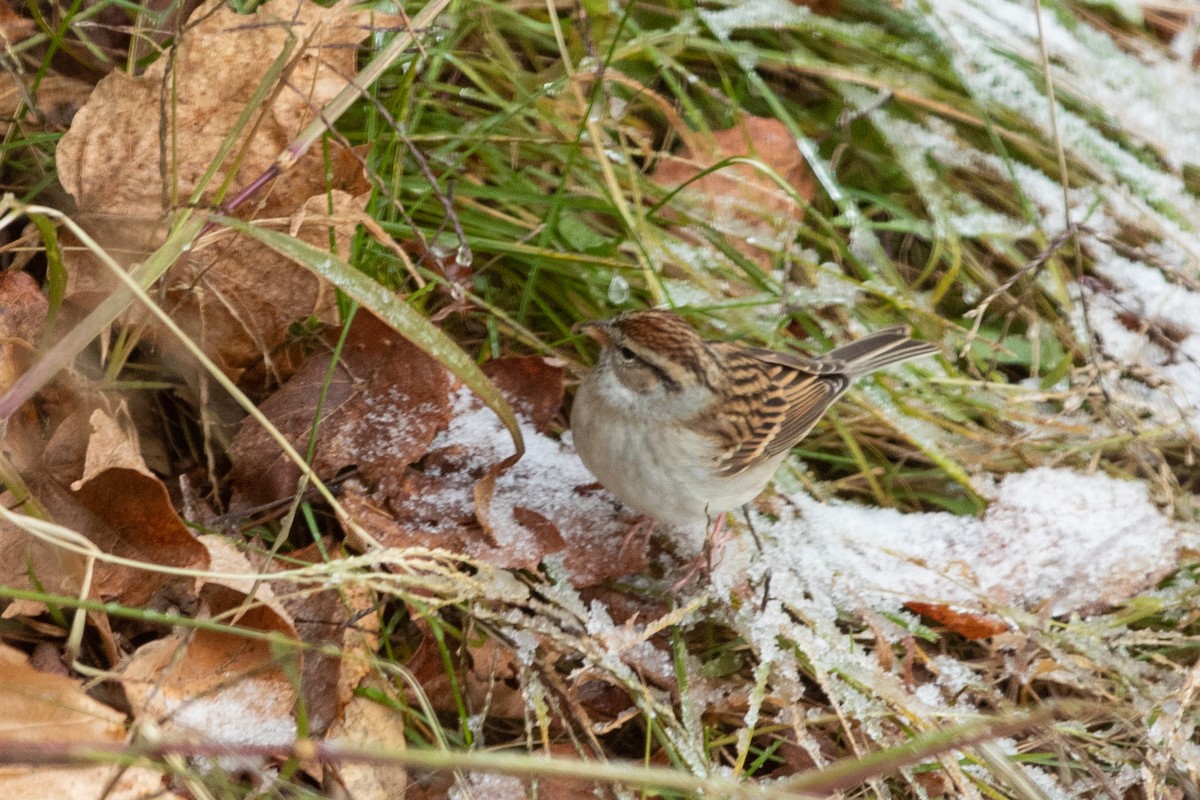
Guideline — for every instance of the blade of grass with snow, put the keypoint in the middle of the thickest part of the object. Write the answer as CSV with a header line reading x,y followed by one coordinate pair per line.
x,y
400,316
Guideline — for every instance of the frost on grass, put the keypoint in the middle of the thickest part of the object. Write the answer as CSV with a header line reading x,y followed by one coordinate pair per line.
x,y
1139,318
1150,324
1052,539
759,14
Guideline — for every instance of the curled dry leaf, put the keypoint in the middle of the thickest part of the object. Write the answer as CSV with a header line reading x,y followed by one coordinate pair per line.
x,y
118,504
227,687
38,707
740,200
109,447
235,296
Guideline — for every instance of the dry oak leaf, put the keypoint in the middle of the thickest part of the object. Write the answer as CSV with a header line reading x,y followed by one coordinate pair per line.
x,y
233,295
740,200
43,708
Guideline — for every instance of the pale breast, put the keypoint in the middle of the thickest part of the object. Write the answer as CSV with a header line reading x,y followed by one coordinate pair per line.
x,y
657,469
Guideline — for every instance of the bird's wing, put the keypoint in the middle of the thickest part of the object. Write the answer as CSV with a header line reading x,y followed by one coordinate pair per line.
x,y
776,400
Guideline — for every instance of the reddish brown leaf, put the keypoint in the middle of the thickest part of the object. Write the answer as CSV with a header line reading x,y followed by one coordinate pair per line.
x,y
385,403
437,507
968,624
532,384
137,521
118,505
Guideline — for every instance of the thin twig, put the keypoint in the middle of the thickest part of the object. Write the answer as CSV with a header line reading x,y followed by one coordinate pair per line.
x,y
1033,265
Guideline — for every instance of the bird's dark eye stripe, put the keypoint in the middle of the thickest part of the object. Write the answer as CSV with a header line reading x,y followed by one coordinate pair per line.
x,y
669,383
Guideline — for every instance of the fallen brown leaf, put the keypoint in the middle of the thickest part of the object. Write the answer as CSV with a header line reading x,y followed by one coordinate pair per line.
x,y
39,707
381,409
233,295
118,504
533,385
431,459
226,687
740,200
967,624
110,159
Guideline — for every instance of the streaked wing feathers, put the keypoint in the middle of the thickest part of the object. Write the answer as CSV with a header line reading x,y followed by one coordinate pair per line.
x,y
778,397
777,405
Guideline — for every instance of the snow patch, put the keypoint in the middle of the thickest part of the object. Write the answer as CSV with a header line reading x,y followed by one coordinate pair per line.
x,y
1052,538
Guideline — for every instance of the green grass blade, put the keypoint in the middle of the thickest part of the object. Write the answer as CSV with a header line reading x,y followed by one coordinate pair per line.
x,y
400,316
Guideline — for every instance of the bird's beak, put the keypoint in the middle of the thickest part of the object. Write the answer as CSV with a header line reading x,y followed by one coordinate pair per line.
x,y
596,330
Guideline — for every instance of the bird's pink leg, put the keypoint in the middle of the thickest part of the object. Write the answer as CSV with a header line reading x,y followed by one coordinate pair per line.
x,y
704,561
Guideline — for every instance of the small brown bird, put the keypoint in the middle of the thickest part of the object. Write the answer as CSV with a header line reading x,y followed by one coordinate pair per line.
x,y
684,430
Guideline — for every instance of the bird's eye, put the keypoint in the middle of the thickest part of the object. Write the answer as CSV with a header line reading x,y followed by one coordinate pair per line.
x,y
626,353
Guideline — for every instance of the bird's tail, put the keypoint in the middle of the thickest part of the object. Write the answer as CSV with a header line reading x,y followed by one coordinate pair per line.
x,y
879,349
